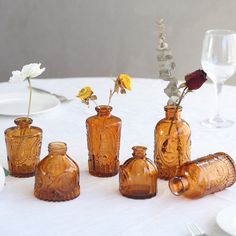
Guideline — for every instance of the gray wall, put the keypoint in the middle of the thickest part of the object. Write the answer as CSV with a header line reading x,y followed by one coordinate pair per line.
x,y
105,37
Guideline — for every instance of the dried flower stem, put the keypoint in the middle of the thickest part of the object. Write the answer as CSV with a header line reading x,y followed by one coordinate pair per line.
x,y
95,103
185,91
30,96
110,96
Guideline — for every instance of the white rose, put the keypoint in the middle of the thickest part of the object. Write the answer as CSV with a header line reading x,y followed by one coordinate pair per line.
x,y
16,77
28,71
32,70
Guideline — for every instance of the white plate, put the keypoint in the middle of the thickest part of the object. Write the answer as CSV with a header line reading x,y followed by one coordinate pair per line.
x,y
16,104
226,219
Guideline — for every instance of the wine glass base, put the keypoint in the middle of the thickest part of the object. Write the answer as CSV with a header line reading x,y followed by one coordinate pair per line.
x,y
217,123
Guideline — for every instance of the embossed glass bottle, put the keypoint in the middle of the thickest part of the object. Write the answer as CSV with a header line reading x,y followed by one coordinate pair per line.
x,y
204,176
23,143
138,175
103,136
57,175
172,143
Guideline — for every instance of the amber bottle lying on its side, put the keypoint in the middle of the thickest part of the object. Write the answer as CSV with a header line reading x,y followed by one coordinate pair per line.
x,y
23,143
172,143
204,176
138,175
57,175
103,137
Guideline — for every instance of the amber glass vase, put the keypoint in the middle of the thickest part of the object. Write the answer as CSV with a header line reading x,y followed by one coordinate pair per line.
x,y
57,175
204,176
23,143
103,136
138,175
172,143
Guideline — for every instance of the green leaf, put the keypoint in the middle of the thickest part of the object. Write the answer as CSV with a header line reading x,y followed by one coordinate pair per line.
x,y
6,171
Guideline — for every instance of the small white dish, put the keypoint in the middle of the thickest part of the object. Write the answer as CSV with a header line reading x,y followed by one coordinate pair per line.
x,y
226,219
16,104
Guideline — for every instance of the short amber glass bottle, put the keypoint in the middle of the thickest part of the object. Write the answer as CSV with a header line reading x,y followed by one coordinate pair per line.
x,y
172,143
138,175
57,175
103,136
204,176
23,143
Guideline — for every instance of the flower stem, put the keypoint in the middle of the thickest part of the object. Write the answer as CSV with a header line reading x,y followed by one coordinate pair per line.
x,y
111,94
95,103
30,96
177,107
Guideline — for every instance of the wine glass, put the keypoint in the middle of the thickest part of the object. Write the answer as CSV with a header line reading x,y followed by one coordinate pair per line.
x,y
219,62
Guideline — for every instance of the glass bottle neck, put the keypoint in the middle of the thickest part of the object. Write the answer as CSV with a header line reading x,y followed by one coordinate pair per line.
x,y
139,151
57,148
171,112
178,185
23,122
103,110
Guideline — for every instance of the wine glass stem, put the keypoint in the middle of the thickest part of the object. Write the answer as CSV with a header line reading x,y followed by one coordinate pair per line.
x,y
218,89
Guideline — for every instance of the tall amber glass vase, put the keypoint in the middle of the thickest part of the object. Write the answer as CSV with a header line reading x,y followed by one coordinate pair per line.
x,y
57,175
172,143
103,136
204,176
23,143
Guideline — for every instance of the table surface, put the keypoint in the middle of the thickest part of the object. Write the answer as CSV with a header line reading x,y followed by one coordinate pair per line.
x,y
100,209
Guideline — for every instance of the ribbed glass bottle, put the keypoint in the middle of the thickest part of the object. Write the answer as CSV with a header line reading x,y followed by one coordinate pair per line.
x,y
172,143
103,137
138,175
23,143
204,176
57,175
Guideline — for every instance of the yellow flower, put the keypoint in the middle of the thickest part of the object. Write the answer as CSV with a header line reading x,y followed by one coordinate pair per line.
x,y
85,93
125,81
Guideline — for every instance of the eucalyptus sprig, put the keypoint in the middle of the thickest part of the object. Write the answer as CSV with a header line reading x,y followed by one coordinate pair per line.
x,y
167,66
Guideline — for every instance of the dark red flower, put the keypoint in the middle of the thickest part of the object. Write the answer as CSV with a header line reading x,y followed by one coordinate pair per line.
x,y
195,79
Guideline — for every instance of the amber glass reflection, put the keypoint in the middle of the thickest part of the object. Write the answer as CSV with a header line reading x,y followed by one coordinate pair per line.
x,y
138,175
172,146
57,175
103,136
23,144
203,176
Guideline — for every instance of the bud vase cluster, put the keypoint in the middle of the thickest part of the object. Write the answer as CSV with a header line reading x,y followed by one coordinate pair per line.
x,y
57,176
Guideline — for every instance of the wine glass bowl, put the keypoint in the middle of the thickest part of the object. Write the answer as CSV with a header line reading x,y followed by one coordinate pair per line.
x,y
219,62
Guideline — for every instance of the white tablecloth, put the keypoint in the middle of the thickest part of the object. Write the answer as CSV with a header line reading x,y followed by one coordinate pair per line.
x,y
100,209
